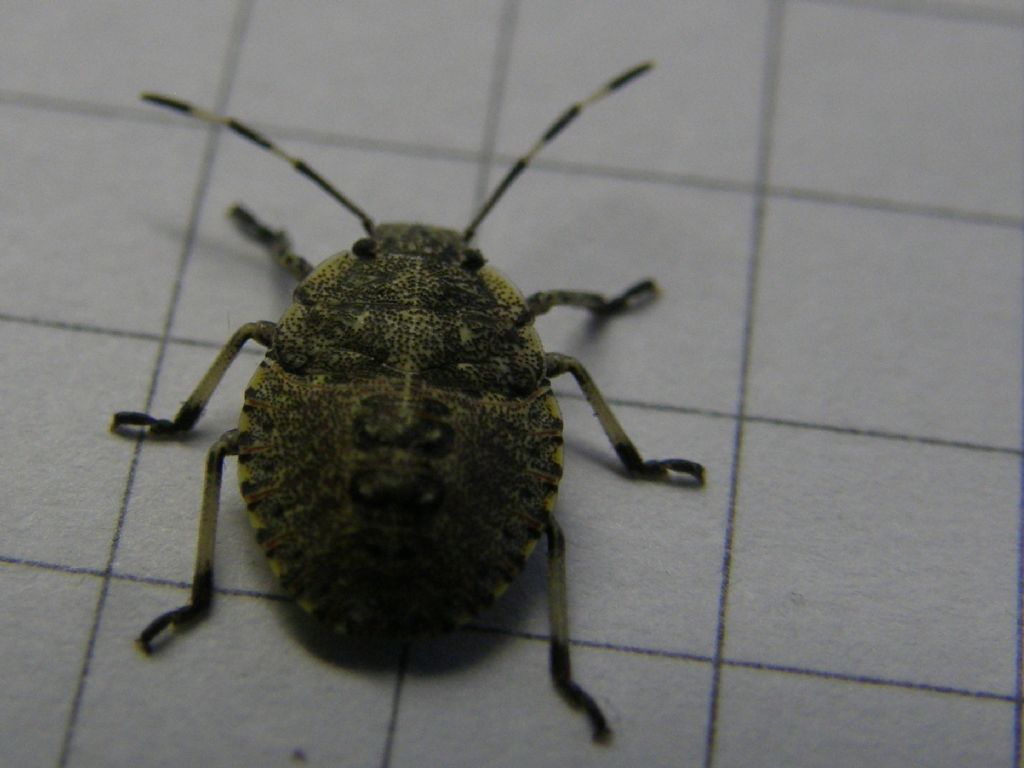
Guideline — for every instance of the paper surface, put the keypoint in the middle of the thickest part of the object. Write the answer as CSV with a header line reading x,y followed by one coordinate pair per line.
x,y
829,195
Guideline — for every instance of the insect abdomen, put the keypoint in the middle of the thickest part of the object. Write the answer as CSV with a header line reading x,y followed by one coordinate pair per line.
x,y
395,512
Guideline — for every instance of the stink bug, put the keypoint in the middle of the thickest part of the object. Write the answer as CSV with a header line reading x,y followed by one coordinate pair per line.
x,y
399,448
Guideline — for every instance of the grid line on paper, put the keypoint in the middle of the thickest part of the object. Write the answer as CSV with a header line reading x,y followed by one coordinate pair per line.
x,y
772,55
396,702
940,9
1018,711
486,158
541,164
750,418
495,99
825,674
231,57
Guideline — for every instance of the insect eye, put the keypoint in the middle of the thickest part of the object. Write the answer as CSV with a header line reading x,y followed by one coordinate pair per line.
x,y
472,259
364,248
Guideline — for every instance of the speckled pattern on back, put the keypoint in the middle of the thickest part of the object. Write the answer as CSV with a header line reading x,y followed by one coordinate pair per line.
x,y
400,449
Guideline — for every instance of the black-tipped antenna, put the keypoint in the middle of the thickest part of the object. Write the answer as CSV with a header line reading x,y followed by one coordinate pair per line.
x,y
259,140
548,136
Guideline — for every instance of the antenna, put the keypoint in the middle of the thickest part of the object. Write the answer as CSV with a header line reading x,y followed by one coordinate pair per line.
x,y
259,140
548,136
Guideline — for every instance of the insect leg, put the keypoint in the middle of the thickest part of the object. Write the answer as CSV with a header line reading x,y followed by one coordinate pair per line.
x,y
557,364
261,331
276,242
202,579
632,297
561,669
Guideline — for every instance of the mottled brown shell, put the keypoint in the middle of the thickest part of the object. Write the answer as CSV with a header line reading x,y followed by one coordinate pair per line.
x,y
400,447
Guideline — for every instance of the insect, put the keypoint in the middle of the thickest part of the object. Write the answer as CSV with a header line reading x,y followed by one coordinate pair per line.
x,y
399,447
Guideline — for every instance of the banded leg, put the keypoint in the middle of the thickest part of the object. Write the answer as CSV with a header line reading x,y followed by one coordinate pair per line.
x,y
188,414
202,578
632,297
557,364
561,669
276,242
